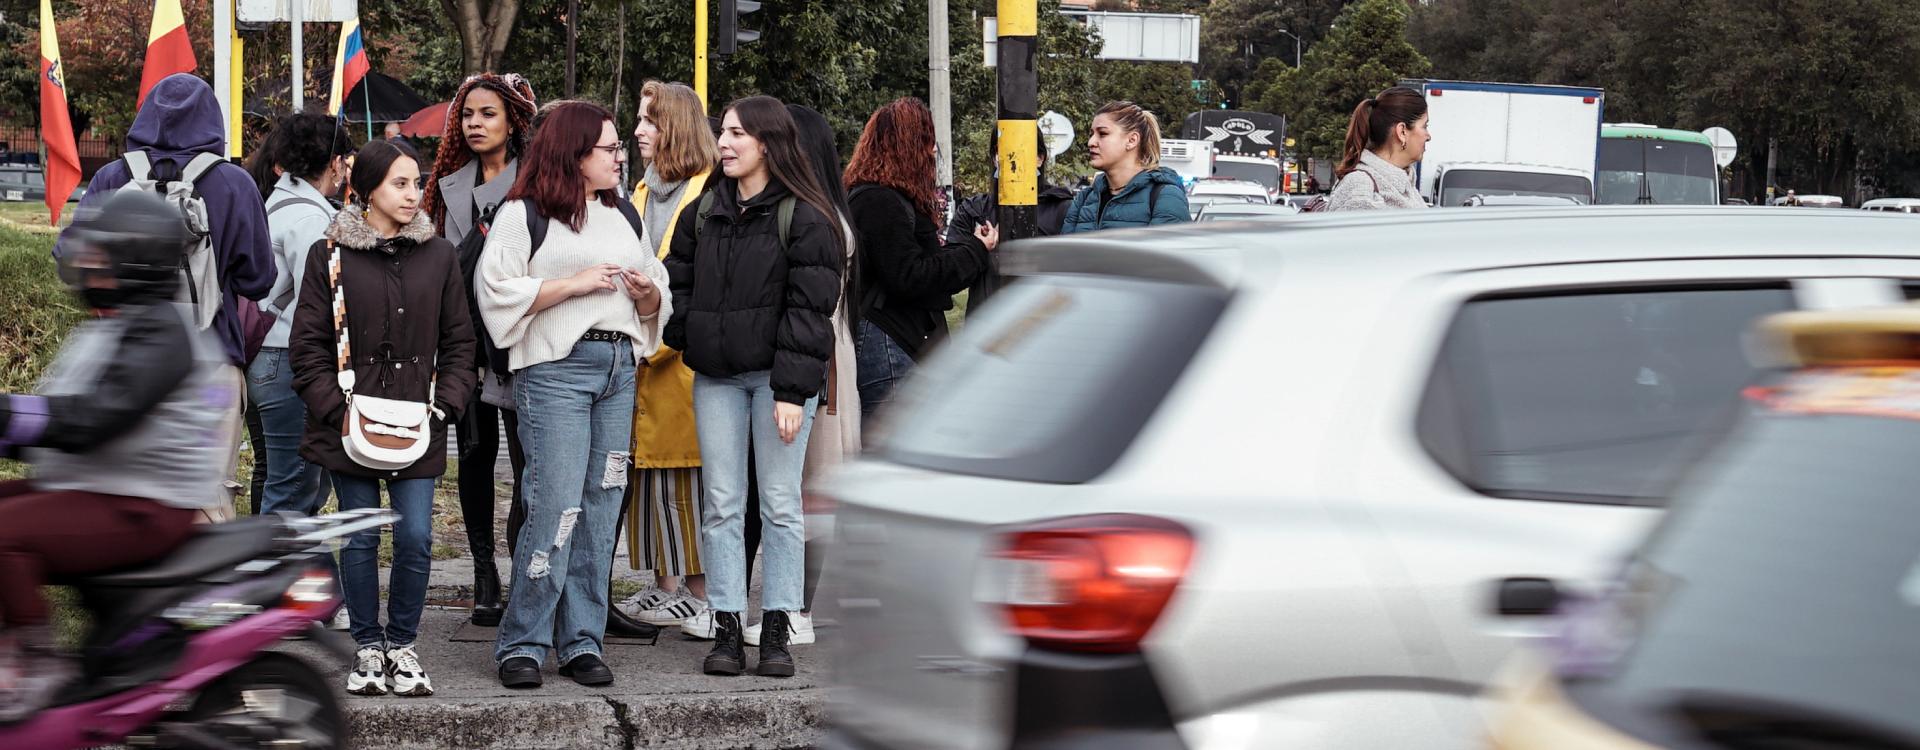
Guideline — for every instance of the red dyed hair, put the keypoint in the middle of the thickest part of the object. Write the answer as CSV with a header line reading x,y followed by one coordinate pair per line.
x,y
550,170
896,151
454,151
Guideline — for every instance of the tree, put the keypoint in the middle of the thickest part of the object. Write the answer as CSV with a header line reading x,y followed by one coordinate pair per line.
x,y
102,45
1237,36
1366,51
484,28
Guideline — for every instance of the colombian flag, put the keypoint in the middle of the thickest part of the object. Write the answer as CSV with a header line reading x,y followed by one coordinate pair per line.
x,y
349,65
168,51
56,128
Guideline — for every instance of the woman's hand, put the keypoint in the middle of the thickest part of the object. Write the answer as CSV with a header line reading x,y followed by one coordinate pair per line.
x,y
789,418
596,278
988,234
640,288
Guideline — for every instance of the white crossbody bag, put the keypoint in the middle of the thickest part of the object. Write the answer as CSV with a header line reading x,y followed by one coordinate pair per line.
x,y
380,433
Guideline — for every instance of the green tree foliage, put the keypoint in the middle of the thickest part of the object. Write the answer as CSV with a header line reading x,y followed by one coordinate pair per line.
x,y
1366,51
1238,36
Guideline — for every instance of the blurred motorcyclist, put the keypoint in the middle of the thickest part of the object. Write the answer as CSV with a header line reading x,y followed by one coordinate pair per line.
x,y
123,435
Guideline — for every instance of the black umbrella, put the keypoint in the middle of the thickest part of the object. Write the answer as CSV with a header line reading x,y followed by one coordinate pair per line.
x,y
393,101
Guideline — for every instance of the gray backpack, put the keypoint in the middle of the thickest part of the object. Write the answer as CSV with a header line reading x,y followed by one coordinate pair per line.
x,y
202,287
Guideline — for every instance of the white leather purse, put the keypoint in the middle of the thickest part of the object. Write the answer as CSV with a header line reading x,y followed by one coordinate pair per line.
x,y
380,433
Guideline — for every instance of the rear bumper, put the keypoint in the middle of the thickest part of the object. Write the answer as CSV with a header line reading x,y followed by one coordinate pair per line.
x,y
1070,702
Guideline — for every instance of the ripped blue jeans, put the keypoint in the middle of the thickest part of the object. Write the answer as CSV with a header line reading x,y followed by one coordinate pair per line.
x,y
576,421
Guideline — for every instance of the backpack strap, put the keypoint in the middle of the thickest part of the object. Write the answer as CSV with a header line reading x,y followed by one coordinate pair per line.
x,y
633,218
706,209
202,164
785,215
138,167
1153,199
294,201
536,227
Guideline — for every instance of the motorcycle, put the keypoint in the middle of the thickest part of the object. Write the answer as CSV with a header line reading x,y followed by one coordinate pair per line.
x,y
178,653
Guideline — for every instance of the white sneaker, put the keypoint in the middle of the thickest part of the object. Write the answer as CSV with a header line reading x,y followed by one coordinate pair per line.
x,y
802,630
340,620
700,626
369,675
672,611
648,598
405,676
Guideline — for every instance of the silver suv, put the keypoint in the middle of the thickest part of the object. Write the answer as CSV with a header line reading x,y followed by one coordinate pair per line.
x,y
1247,485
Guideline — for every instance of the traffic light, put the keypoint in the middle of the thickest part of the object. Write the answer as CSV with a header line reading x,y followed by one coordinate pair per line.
x,y
729,37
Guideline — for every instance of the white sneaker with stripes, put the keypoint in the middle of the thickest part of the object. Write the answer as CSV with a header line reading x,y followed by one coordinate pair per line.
x,y
405,676
672,611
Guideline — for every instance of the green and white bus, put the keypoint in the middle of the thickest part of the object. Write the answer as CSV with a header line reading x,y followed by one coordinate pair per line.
x,y
1645,165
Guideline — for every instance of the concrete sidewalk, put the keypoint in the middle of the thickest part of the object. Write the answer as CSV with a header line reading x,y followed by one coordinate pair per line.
x,y
659,699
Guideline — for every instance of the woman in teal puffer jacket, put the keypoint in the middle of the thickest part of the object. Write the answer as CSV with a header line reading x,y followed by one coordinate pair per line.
x,y
1133,190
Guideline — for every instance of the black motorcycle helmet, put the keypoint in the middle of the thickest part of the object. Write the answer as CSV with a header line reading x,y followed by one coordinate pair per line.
x,y
135,238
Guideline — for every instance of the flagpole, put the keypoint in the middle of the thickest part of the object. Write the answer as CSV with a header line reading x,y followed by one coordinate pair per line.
x,y
366,91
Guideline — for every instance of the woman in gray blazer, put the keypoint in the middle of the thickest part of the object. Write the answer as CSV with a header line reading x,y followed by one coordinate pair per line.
x,y
489,125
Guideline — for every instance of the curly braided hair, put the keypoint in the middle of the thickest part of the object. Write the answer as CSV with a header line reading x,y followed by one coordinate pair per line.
x,y
454,152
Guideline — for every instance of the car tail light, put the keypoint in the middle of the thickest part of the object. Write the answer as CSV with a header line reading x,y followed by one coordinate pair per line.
x,y
1588,100
1088,583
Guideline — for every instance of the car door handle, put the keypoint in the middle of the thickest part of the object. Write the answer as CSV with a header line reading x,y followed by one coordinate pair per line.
x,y
1523,596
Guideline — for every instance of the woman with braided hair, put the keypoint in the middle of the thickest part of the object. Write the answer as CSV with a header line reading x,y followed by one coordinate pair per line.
x,y
489,125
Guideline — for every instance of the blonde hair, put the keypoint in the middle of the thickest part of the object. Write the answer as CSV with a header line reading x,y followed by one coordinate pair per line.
x,y
686,147
1136,119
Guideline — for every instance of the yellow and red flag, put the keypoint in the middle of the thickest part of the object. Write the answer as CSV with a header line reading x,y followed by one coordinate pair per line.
x,y
168,51
56,127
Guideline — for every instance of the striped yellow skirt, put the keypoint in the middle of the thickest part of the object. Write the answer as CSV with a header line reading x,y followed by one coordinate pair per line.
x,y
663,521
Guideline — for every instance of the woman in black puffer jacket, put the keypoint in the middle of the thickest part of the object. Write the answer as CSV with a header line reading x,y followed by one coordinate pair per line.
x,y
752,307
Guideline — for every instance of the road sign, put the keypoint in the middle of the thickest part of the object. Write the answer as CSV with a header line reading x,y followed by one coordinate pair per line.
x,y
1057,132
1725,148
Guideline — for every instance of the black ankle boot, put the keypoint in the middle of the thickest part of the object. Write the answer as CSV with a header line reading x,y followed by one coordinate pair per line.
x,y
729,654
486,593
775,660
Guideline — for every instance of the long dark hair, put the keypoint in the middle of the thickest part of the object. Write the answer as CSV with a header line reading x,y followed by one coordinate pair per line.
x,y
302,145
767,120
550,171
1373,121
816,138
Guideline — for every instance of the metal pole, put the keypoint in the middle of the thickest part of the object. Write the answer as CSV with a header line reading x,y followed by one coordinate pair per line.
x,y
223,70
940,88
366,92
1018,122
700,52
296,18
573,24
237,146
1773,155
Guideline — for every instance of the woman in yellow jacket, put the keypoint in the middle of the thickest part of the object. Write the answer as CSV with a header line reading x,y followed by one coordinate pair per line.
x,y
664,500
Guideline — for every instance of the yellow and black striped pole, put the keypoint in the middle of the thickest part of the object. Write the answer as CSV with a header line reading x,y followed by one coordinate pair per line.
x,y
1019,158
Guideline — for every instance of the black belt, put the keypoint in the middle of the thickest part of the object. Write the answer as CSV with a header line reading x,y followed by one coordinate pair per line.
x,y
599,335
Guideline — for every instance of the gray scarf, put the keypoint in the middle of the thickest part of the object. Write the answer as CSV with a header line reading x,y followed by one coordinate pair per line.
x,y
662,197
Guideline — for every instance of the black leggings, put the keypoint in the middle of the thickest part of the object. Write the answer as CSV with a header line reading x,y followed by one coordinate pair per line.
x,y
479,433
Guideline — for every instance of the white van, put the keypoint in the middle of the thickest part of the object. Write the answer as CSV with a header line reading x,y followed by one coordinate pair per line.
x,y
1893,205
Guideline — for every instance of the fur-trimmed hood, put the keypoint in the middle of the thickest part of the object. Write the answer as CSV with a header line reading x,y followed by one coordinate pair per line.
x,y
351,230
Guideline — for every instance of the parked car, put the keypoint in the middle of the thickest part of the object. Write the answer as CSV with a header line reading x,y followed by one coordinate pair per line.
x,y
1814,201
1224,190
1893,205
27,183
1246,211
1250,484
1777,603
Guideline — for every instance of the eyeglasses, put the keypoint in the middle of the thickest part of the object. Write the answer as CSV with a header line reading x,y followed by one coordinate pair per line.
x,y
614,149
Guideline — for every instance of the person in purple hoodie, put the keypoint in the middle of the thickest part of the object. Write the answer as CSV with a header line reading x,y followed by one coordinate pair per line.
x,y
180,120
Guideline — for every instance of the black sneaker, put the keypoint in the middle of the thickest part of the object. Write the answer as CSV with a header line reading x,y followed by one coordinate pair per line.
x,y
775,660
520,672
729,656
587,669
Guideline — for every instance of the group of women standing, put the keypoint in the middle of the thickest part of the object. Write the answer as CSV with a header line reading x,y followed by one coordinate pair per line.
x,y
692,355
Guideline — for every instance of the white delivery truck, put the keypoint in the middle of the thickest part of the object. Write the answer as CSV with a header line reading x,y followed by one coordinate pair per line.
x,y
1501,139
1191,158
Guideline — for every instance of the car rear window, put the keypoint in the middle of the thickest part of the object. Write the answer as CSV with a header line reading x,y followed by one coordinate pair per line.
x,y
1592,396
1052,380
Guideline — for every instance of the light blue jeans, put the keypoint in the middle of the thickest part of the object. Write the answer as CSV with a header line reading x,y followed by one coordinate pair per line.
x,y
731,411
576,421
292,483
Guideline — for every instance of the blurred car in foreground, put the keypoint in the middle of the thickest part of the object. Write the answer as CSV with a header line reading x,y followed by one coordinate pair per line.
x,y
1777,605
1246,212
1213,190
1234,484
